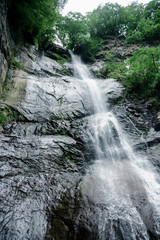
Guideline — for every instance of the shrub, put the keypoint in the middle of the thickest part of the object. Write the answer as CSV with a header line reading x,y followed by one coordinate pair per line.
x,y
143,77
114,69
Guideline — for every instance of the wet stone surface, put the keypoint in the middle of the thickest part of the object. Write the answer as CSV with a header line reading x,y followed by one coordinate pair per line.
x,y
39,161
44,157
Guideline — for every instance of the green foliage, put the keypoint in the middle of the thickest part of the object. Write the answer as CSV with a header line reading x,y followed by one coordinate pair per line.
x,y
33,18
114,69
138,22
145,25
70,28
47,37
147,30
133,14
135,37
70,156
106,20
59,58
3,118
15,64
84,34
152,9
87,47
34,21
143,77
73,31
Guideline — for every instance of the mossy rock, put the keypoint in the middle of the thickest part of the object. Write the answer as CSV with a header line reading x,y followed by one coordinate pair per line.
x,y
60,59
8,114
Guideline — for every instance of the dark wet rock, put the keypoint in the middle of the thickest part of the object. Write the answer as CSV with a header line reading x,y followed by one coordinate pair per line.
x,y
46,93
138,122
39,162
53,48
89,216
34,173
4,43
39,158
157,123
153,148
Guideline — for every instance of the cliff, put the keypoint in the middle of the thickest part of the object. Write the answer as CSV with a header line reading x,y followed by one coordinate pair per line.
x,y
45,153
5,53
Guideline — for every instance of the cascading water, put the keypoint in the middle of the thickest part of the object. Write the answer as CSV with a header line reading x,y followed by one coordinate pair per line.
x,y
122,186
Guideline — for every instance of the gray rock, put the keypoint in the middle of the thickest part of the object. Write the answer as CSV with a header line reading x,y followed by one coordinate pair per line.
x,y
96,67
112,90
40,93
34,173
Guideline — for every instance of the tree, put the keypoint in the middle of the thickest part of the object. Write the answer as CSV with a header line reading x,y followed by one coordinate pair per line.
x,y
73,31
106,20
143,22
74,27
32,18
133,14
151,9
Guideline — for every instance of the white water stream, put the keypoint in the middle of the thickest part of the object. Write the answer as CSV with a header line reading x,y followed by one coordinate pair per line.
x,y
125,183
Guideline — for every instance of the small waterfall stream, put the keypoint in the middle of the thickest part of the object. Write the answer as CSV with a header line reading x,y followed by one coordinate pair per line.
x,y
125,184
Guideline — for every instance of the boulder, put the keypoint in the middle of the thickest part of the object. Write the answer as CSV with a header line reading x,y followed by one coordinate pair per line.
x,y
56,51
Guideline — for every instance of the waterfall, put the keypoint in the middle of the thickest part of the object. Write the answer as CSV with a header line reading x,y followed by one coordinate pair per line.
x,y
122,186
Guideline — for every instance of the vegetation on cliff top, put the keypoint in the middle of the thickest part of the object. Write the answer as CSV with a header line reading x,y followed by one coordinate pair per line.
x,y
39,20
137,23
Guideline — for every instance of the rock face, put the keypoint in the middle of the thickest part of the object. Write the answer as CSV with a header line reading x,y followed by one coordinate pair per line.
x,y
4,43
41,155
44,156
116,46
38,157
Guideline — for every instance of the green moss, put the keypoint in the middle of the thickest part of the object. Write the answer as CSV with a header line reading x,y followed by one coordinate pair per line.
x,y
64,132
3,118
60,101
70,156
58,58
65,72
8,114
115,70
15,64
60,114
